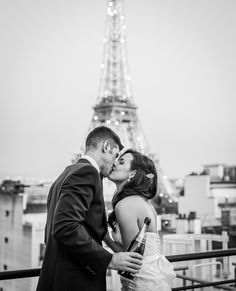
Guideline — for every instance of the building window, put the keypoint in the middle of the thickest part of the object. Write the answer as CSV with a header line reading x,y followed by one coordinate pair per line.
x,y
7,213
6,240
4,267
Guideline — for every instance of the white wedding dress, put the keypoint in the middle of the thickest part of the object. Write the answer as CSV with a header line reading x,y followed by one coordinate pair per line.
x,y
156,273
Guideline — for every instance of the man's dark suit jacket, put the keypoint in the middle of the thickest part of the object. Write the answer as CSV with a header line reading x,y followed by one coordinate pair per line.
x,y
76,224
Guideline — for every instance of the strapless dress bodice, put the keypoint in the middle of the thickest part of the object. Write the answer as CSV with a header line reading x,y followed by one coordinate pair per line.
x,y
156,273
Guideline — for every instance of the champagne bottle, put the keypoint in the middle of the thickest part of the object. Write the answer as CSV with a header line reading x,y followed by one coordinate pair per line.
x,y
137,245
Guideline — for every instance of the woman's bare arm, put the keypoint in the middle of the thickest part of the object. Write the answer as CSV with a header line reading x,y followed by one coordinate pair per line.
x,y
127,217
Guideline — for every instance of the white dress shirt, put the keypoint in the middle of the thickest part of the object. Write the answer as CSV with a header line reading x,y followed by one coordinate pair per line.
x,y
92,161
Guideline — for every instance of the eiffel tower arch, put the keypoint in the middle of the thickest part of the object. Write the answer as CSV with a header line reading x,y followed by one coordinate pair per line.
x,y
115,106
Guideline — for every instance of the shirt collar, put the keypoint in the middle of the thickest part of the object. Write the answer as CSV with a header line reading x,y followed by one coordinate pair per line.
x,y
92,161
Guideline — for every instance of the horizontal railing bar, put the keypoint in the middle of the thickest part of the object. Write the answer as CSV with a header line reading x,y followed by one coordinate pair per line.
x,y
184,268
18,274
192,279
203,285
25,273
202,255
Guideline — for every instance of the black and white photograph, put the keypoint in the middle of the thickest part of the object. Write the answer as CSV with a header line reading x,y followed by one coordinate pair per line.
x,y
118,145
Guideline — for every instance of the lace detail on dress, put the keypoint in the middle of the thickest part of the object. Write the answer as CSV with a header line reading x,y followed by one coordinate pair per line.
x,y
152,246
156,272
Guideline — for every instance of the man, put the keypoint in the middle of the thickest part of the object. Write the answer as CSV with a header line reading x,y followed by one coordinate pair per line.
x,y
76,223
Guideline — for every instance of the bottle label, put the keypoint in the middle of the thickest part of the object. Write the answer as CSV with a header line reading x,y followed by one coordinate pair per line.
x,y
140,239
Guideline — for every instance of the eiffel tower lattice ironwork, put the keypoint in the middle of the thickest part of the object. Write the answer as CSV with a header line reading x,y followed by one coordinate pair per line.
x,y
115,107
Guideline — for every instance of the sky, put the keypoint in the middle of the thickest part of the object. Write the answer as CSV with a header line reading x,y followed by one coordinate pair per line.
x,y
182,63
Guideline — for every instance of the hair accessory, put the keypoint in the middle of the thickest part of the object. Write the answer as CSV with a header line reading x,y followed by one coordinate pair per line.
x,y
150,175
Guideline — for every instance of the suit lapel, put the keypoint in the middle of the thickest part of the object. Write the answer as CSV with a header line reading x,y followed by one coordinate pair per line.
x,y
103,210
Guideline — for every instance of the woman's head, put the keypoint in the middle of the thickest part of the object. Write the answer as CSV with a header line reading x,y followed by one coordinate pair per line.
x,y
136,173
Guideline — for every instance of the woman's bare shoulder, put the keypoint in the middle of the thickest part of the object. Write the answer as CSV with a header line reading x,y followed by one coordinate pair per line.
x,y
130,201
133,204
136,207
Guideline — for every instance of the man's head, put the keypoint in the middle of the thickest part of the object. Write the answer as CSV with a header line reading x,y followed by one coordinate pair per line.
x,y
104,145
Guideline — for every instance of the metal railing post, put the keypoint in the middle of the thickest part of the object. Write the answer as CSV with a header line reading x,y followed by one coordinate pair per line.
x,y
184,280
234,264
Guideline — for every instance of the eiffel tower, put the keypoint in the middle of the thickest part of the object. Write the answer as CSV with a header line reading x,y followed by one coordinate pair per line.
x,y
115,106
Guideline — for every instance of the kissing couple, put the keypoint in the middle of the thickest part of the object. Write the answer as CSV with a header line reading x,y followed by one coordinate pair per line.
x,y
75,259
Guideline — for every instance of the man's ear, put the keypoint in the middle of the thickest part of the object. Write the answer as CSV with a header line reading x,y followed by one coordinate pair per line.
x,y
105,146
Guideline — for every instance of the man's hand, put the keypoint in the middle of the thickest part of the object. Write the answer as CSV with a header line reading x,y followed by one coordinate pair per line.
x,y
126,261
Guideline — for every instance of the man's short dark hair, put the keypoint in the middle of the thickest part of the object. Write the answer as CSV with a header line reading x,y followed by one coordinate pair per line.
x,y
102,133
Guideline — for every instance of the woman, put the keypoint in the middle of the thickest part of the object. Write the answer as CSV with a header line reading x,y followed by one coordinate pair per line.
x,y
135,177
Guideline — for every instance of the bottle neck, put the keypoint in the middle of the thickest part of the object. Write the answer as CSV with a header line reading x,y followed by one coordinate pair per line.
x,y
143,231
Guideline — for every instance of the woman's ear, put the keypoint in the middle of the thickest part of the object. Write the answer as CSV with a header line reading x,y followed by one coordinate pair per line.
x,y
131,175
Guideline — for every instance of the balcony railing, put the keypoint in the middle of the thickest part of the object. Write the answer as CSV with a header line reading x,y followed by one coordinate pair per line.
x,y
26,273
